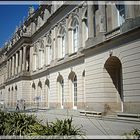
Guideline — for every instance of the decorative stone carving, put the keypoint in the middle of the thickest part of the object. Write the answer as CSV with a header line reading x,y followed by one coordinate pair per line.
x,y
24,28
21,32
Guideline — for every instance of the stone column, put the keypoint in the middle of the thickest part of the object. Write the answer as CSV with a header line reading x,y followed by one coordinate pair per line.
x,y
20,60
45,52
13,65
53,46
16,67
10,69
67,39
90,12
8,62
24,58
45,55
102,18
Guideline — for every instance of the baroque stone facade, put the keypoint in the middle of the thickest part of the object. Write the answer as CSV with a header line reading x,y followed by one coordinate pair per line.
x,y
84,56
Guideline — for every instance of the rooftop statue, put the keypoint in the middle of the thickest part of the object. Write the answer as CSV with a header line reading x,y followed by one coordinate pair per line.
x,y
31,10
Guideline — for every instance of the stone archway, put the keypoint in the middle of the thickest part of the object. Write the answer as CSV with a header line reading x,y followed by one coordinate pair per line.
x,y
113,68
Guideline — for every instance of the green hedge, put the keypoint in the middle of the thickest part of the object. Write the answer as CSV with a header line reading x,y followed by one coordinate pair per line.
x,y
20,124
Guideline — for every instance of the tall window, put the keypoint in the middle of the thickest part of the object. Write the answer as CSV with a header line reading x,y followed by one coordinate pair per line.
x,y
120,14
28,59
75,35
49,49
35,58
63,45
50,53
62,42
41,54
75,39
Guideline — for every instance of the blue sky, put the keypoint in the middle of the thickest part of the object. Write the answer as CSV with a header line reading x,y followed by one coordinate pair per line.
x,y
10,17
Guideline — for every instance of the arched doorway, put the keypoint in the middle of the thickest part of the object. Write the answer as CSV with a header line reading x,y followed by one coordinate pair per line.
x,y
47,93
113,67
83,90
33,95
12,97
73,80
39,94
60,82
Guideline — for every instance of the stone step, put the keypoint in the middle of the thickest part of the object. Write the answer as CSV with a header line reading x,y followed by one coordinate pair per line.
x,y
90,113
130,115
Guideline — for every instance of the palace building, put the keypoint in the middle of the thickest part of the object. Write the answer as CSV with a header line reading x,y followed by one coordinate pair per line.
x,y
83,56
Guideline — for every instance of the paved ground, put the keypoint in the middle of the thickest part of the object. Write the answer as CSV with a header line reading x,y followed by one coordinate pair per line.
x,y
93,126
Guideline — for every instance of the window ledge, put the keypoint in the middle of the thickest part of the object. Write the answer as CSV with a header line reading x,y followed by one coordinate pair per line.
x,y
47,65
61,59
40,68
73,54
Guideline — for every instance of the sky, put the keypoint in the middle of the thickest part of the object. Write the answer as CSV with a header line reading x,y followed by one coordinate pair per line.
x,y
10,17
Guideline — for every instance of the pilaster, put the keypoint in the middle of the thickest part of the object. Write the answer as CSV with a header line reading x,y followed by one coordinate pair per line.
x,y
102,18
90,14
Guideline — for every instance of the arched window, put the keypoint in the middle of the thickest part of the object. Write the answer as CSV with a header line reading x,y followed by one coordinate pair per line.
x,y
75,35
62,42
61,89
